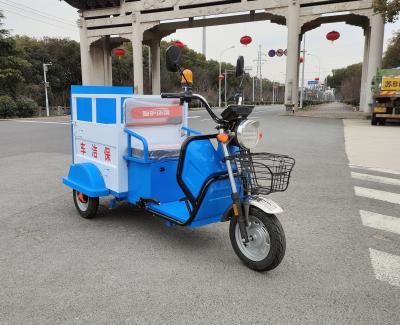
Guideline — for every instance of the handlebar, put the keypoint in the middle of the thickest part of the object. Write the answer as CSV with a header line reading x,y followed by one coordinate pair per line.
x,y
188,96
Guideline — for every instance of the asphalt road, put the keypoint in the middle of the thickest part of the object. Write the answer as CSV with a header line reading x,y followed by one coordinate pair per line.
x,y
126,267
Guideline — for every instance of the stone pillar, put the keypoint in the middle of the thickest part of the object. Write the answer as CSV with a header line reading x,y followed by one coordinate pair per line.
x,y
107,59
137,46
85,52
155,66
374,57
363,101
292,60
101,70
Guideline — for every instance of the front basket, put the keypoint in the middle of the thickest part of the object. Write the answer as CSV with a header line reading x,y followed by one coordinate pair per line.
x,y
263,173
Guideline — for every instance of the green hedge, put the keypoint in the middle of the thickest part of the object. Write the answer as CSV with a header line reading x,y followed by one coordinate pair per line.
x,y
8,107
26,107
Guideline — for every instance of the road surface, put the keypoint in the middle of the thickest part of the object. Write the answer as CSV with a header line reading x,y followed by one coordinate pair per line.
x,y
126,267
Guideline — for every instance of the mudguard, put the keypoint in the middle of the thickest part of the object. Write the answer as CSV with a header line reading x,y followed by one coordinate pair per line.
x,y
266,205
87,179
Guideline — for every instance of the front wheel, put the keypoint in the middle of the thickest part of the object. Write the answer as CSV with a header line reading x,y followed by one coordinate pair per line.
x,y
86,206
267,244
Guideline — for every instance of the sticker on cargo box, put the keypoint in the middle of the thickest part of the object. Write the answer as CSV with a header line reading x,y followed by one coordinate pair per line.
x,y
161,115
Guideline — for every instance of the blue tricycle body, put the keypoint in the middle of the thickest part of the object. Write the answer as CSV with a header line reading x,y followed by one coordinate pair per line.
x,y
119,150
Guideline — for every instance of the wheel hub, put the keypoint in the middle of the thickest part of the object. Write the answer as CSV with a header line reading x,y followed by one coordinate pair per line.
x,y
258,246
82,198
82,201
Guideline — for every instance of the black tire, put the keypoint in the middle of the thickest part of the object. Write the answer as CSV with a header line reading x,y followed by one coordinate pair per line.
x,y
374,120
276,237
91,203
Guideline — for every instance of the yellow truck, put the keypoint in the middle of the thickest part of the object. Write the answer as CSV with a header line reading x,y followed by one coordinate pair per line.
x,y
386,104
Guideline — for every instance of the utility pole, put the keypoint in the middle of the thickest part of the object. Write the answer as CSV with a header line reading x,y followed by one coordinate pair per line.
x,y
273,93
253,89
204,49
260,62
220,73
302,72
46,85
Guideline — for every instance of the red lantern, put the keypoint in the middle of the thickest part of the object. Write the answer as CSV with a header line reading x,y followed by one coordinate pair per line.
x,y
246,40
221,77
179,44
333,36
301,59
316,79
119,53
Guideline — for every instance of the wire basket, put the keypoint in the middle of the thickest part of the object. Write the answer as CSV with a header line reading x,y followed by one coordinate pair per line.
x,y
263,173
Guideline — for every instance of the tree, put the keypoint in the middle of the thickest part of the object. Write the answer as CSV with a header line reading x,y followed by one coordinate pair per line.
x,y
390,9
391,59
65,70
347,83
12,65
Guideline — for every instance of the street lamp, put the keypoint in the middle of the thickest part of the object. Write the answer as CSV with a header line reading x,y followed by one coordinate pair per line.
x,y
319,72
220,72
46,85
227,71
319,63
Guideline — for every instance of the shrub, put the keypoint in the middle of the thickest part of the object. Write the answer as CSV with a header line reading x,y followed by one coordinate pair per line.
x,y
7,107
26,107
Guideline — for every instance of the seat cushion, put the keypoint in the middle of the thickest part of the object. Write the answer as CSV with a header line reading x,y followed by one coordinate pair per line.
x,y
159,151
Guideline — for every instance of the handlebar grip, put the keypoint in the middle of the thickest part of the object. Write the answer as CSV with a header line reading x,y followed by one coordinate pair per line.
x,y
172,95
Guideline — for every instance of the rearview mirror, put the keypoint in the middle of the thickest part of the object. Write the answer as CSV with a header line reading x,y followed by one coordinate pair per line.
x,y
172,58
240,66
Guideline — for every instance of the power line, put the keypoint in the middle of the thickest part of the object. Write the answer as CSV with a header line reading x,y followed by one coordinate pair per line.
x,y
38,20
37,12
40,13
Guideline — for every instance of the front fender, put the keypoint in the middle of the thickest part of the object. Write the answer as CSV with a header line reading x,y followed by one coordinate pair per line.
x,y
87,179
266,205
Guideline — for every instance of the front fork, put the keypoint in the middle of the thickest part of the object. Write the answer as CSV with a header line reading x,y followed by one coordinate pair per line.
x,y
240,211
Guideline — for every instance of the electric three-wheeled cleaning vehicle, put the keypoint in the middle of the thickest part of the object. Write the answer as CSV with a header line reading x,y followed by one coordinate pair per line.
x,y
139,149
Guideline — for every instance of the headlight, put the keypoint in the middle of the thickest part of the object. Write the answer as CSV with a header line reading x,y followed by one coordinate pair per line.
x,y
248,134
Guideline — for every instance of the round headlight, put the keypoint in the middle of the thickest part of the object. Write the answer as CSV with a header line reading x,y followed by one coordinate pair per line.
x,y
248,134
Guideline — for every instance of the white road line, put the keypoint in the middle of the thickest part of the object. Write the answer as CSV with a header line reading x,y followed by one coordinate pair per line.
x,y
197,116
380,221
377,179
379,170
386,266
40,122
206,119
377,195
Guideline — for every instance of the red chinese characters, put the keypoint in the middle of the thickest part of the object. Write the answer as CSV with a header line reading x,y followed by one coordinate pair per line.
x,y
107,154
94,151
83,148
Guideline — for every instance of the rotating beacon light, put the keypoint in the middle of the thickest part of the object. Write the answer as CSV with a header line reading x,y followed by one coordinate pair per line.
x,y
187,79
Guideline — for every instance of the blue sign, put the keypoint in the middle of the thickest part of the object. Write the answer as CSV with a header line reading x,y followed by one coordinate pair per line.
x,y
312,82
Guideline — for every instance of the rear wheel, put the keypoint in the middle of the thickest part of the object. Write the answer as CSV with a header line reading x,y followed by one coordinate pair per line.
x,y
86,206
267,244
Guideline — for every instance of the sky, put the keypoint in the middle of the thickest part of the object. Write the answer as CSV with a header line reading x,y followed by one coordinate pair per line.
x,y
54,18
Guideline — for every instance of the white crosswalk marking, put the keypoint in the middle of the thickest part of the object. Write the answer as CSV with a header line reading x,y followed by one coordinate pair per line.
x,y
379,170
377,195
380,221
377,179
386,266
196,116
